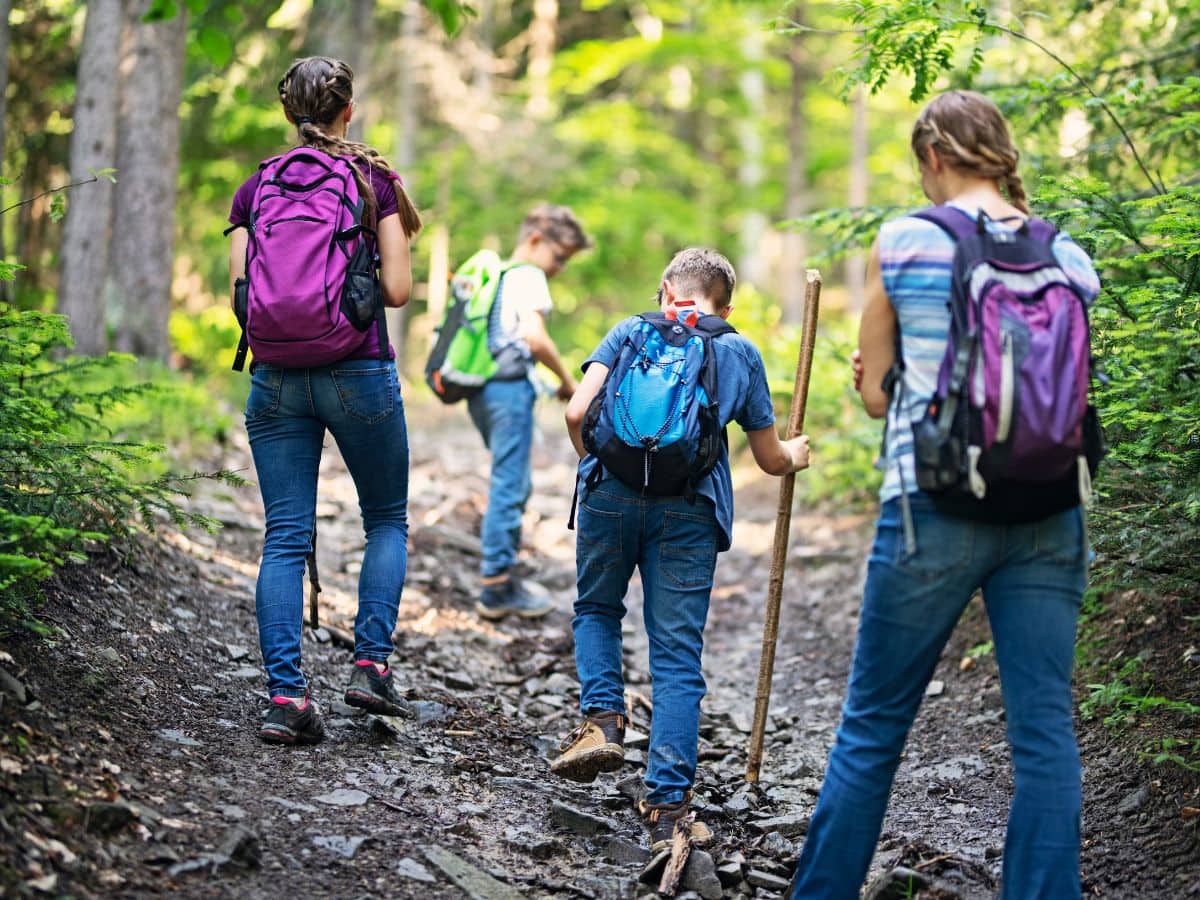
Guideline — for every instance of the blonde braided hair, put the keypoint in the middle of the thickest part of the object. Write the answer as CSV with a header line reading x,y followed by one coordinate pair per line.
x,y
314,91
969,133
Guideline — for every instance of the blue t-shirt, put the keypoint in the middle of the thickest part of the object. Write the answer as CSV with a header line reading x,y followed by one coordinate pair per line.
x,y
742,397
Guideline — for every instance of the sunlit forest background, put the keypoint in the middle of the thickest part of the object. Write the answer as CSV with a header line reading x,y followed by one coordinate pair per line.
x,y
775,132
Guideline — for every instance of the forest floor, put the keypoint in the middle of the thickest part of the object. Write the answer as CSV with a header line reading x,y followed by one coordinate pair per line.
x,y
130,766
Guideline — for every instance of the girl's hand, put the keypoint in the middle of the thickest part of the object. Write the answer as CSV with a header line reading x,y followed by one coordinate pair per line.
x,y
856,367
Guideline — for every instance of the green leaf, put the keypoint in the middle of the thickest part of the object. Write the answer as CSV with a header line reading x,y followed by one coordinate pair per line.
x,y
217,46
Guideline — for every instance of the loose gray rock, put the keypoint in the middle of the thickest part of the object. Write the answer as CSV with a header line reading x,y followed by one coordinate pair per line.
x,y
700,875
759,878
241,846
730,873
787,826
777,846
622,852
177,737
579,821
477,884
12,686
340,844
1133,802
344,797
412,870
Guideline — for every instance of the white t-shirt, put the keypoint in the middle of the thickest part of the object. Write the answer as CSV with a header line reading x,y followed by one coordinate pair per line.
x,y
524,291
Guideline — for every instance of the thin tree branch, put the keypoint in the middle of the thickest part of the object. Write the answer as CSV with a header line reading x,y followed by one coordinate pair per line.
x,y
53,190
1020,35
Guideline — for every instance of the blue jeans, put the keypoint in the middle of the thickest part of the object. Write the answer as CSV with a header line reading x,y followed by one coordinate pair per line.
x,y
1032,577
503,414
674,545
287,414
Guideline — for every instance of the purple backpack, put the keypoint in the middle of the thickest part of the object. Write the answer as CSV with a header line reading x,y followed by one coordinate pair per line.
x,y
1009,435
311,288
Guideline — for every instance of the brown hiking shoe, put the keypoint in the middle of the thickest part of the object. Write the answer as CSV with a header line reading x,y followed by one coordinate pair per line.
x,y
597,745
661,819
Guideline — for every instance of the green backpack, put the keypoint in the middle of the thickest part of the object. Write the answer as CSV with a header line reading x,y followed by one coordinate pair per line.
x,y
461,361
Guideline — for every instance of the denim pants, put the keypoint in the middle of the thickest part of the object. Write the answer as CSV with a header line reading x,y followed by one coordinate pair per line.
x,y
1032,577
503,414
287,414
674,545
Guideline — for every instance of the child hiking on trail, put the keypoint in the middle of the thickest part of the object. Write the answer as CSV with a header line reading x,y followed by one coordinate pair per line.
x,y
319,369
672,538
503,410
974,271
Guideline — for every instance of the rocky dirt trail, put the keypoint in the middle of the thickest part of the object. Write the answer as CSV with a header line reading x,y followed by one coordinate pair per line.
x,y
129,764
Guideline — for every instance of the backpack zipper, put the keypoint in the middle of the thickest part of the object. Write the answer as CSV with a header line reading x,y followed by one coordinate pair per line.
x,y
267,227
1004,425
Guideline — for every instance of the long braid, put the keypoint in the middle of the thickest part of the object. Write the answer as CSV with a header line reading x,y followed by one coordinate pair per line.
x,y
969,132
314,92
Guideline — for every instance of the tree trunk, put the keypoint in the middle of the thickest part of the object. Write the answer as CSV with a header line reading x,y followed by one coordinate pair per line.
x,y
856,263
5,9
343,29
543,36
88,227
750,172
142,251
406,149
795,246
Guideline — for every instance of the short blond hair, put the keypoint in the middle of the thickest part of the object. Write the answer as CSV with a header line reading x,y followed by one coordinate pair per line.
x,y
558,223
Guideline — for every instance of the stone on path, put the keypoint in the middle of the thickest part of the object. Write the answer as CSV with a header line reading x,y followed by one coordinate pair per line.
x,y
579,821
701,876
344,797
177,737
787,826
340,844
411,869
759,878
475,883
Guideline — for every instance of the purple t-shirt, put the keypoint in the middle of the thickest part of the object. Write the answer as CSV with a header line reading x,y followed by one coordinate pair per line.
x,y
386,204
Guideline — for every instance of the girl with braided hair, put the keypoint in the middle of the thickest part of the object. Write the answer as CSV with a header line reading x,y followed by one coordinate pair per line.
x,y
925,564
357,399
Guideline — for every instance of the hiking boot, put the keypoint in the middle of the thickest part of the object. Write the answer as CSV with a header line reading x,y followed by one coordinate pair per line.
x,y
372,690
291,723
509,596
597,745
661,820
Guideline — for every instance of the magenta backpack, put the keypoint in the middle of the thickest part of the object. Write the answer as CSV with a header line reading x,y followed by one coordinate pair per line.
x,y
311,288
1009,435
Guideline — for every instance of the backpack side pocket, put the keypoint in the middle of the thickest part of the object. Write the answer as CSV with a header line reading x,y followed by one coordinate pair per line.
x,y
360,292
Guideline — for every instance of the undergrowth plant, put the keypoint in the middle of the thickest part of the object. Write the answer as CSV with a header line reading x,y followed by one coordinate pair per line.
x,y
1110,138
65,480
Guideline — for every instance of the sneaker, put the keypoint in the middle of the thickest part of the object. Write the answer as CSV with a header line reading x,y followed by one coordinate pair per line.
x,y
661,819
509,596
372,690
597,745
289,722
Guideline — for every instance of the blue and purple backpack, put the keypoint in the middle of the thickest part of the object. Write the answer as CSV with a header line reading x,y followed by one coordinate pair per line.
x,y
1009,435
311,288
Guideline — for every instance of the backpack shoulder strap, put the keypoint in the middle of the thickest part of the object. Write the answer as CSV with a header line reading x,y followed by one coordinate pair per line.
x,y
959,225
714,326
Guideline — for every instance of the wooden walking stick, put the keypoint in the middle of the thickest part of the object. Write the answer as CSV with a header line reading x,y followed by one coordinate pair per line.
x,y
783,522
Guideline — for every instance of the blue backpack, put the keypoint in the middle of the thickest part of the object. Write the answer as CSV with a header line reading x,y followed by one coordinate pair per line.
x,y
655,424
